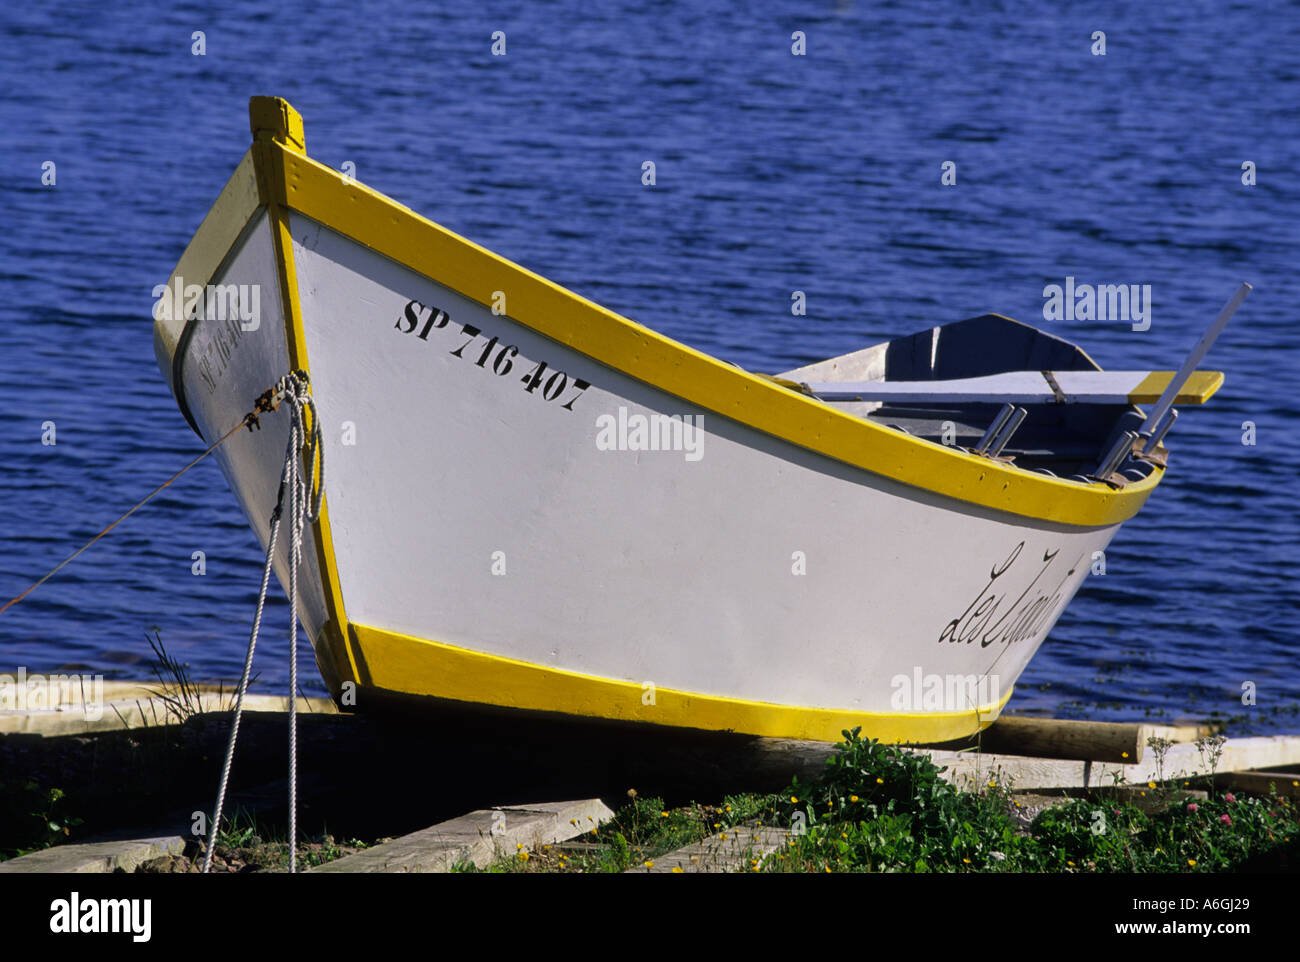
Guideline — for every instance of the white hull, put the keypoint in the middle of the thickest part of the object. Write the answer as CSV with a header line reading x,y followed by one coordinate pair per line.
x,y
469,513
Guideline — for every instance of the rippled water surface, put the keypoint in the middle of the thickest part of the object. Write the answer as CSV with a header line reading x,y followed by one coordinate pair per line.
x,y
775,173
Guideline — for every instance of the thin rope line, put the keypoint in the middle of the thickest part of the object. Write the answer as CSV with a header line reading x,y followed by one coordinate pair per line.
x,y
68,560
303,509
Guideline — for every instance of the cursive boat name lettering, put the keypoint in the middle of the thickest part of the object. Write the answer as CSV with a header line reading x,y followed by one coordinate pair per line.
x,y
1033,609
554,385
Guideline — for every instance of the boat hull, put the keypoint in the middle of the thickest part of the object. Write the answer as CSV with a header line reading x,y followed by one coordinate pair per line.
x,y
513,521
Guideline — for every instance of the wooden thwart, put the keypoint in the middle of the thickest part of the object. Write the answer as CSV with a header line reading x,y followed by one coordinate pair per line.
x,y
1029,387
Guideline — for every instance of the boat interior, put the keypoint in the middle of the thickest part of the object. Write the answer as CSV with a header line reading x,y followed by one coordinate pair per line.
x,y
1067,441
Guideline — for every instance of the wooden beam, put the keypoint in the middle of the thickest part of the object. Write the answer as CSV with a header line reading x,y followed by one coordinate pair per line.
x,y
1182,762
1027,387
1119,742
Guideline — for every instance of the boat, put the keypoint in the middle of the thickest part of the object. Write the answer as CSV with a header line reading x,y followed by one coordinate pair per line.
x,y
534,504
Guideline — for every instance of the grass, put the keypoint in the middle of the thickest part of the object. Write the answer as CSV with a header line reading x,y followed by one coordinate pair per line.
x,y
247,845
876,808
35,816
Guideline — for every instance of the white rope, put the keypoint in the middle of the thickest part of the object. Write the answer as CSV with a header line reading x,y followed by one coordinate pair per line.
x,y
304,509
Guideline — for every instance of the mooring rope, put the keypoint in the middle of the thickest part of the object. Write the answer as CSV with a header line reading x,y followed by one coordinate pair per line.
x,y
250,421
304,508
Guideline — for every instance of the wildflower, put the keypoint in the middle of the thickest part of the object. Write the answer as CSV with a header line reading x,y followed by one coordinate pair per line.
x,y
1229,797
649,863
1192,862
794,799
631,793
523,856
880,781
1225,818
1123,754
1071,864
1193,807
853,798
728,808
1151,784
677,870
966,860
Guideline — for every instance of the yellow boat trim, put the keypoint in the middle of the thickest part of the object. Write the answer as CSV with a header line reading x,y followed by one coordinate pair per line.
x,y
271,130
414,666
370,218
1200,387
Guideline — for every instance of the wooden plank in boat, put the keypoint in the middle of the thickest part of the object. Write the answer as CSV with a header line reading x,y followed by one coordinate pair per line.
x,y
1028,387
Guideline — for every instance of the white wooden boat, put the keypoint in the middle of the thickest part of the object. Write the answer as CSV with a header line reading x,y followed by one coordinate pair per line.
x,y
532,502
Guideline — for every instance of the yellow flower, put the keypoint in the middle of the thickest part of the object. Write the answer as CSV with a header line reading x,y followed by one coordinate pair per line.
x,y
728,808
793,799
523,856
649,863
828,870
1191,862
967,861
663,814
677,870
1151,784
880,781
853,798
1123,754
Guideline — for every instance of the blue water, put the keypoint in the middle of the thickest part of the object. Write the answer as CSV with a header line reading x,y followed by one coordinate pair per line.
x,y
775,173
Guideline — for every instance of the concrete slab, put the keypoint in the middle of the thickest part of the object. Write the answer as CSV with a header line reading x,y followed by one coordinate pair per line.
x,y
95,857
75,718
478,838
731,851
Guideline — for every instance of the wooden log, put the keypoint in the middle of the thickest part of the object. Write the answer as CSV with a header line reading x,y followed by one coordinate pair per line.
x,y
1057,738
1259,783
1119,742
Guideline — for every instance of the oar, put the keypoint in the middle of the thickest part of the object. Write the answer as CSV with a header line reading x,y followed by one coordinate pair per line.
x,y
1162,416
1165,405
